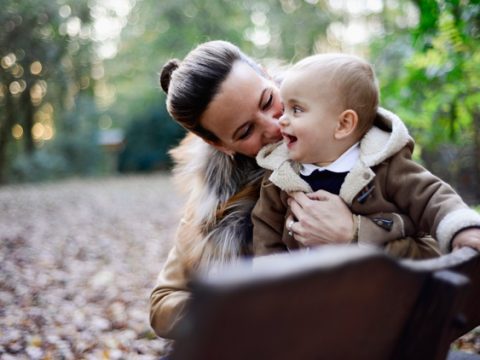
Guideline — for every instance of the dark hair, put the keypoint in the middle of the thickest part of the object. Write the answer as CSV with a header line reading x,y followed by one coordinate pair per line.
x,y
191,84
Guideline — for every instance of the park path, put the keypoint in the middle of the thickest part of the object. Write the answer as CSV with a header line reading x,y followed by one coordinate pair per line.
x,y
78,259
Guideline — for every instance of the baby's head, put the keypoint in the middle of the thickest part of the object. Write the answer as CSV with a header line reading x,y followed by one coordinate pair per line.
x,y
330,100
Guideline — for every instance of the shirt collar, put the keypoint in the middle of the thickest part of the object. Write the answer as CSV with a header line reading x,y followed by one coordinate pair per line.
x,y
344,163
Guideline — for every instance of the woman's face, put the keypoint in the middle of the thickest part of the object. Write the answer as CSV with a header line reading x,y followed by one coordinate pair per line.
x,y
244,114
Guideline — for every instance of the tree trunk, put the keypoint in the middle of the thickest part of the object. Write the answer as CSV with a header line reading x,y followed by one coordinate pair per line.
x,y
476,153
28,106
5,136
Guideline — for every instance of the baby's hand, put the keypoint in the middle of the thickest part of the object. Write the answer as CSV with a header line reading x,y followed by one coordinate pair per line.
x,y
467,237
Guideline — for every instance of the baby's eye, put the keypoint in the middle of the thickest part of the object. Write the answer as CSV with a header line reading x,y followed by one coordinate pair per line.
x,y
296,109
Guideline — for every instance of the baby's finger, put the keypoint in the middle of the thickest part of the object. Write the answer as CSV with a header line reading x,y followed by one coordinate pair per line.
x,y
300,197
319,195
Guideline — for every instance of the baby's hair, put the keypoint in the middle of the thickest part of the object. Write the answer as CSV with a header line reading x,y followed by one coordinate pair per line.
x,y
354,81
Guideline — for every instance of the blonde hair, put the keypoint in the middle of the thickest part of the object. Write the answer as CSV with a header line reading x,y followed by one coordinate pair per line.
x,y
354,81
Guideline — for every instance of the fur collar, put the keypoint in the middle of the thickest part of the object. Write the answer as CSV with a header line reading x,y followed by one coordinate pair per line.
x,y
210,179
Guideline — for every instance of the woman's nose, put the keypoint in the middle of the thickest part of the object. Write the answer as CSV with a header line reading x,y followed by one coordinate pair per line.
x,y
278,112
283,121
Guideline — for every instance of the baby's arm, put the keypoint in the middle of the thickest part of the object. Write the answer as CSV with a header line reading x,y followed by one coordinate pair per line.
x,y
432,204
468,237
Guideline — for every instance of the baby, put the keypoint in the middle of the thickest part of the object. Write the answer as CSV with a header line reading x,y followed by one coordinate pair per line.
x,y
336,138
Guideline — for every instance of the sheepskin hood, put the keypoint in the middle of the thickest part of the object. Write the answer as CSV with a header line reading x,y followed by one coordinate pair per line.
x,y
388,136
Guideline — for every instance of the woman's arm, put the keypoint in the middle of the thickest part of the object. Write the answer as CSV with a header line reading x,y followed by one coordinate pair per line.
x,y
169,297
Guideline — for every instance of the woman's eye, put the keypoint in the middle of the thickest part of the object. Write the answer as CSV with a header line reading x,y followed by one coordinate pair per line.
x,y
268,103
246,133
296,109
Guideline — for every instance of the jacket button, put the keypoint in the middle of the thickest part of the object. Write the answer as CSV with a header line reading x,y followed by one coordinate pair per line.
x,y
366,176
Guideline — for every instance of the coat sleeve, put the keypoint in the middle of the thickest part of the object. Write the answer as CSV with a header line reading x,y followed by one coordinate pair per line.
x,y
268,219
171,294
431,203
169,297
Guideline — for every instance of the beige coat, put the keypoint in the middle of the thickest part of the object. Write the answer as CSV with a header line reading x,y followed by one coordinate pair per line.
x,y
400,186
209,233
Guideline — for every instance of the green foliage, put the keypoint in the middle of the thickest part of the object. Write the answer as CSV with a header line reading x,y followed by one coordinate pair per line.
x,y
75,152
43,165
429,71
429,13
148,140
437,84
46,62
434,87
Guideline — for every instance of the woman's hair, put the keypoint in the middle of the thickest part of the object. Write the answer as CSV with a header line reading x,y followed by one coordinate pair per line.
x,y
192,84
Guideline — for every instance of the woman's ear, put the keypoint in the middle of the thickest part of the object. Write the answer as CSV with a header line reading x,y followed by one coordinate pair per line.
x,y
347,124
221,148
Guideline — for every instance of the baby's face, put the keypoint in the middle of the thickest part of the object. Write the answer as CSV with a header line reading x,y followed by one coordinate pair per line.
x,y
310,117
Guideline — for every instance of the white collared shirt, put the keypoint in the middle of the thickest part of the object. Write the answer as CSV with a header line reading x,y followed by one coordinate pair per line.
x,y
343,164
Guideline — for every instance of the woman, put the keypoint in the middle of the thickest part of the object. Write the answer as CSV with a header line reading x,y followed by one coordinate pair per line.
x,y
226,99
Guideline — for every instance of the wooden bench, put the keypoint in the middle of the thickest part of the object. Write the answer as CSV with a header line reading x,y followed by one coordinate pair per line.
x,y
333,303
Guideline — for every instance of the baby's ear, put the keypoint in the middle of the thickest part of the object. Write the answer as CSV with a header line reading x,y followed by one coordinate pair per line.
x,y
347,124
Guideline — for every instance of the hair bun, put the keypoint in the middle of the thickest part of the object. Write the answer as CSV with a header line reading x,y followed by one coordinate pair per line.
x,y
167,72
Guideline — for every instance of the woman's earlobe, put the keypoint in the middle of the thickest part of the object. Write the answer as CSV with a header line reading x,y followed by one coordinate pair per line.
x,y
347,124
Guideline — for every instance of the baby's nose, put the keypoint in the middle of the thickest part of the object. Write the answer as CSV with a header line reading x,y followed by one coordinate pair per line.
x,y
283,121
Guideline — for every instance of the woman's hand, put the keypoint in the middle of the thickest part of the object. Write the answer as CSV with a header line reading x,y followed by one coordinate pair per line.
x,y
320,218
467,237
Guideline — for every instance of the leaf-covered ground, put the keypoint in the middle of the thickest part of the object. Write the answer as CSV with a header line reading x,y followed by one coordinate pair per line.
x,y
77,262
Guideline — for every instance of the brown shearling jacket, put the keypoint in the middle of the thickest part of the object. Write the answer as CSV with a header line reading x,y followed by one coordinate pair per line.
x,y
400,186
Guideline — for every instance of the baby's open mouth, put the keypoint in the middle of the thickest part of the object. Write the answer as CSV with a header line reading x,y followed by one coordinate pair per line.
x,y
289,139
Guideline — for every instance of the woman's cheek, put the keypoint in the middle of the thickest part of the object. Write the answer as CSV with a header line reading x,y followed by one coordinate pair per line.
x,y
254,146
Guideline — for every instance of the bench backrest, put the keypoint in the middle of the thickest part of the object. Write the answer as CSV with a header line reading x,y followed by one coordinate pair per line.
x,y
466,262
331,303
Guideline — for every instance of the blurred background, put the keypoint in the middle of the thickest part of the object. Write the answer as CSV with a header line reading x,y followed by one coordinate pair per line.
x,y
87,209
79,93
